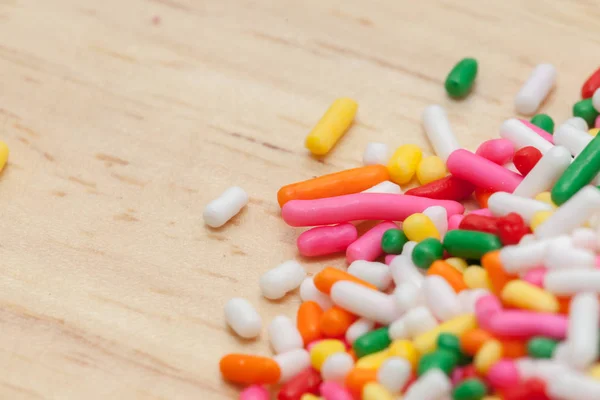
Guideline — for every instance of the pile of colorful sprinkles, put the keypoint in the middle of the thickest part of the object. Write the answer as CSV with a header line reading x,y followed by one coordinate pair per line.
x,y
437,302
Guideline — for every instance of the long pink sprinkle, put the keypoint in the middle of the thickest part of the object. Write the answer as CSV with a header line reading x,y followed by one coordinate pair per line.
x,y
360,206
481,172
526,324
368,246
517,323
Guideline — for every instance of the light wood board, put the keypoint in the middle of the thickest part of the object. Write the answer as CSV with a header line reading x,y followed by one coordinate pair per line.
x,y
125,117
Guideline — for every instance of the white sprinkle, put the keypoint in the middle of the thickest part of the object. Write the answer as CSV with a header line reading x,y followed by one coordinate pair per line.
x,y
226,206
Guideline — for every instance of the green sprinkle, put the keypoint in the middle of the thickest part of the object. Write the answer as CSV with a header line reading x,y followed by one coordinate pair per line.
x,y
541,347
543,121
580,173
441,359
372,342
426,252
470,244
469,389
451,343
393,241
461,78
585,109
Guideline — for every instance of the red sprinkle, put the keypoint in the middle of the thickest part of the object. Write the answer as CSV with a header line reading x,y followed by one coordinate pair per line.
x,y
469,372
526,158
531,389
511,229
412,379
448,188
474,222
590,86
307,381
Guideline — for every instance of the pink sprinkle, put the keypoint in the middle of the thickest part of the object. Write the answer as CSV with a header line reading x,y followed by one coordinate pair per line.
x,y
324,240
334,391
503,374
360,206
481,172
457,375
254,392
538,130
368,246
526,324
518,323
498,151
598,261
482,211
485,308
389,258
536,276
597,122
454,221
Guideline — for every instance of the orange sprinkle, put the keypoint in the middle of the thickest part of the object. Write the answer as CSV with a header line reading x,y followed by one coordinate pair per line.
x,y
248,369
564,304
308,321
359,377
496,273
471,341
482,196
513,348
449,273
325,279
335,321
337,184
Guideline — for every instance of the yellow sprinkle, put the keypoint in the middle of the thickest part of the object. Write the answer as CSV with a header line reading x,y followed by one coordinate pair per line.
x,y
426,342
458,263
376,391
594,371
320,351
476,277
491,398
404,349
594,131
419,227
539,217
331,127
521,294
403,164
374,360
308,396
545,197
488,355
431,169
3,154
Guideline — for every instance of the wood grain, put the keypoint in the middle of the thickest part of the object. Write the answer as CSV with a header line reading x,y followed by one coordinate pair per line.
x,y
124,119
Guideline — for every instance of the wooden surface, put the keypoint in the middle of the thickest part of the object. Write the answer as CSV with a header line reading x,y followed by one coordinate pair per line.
x,y
125,117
